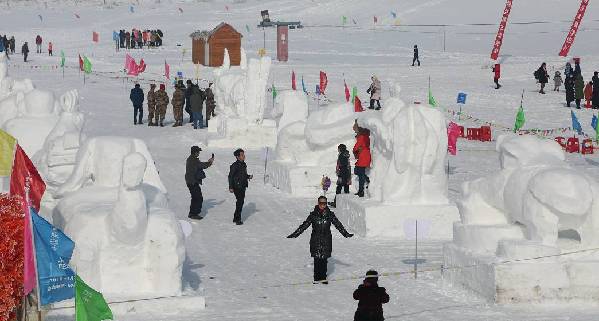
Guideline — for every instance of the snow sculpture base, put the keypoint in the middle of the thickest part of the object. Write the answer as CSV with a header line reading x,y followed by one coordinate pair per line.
x,y
370,218
539,281
235,132
301,181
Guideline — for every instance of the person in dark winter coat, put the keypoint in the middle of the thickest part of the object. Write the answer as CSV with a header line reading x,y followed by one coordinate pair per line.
x,y
152,112
416,57
568,71
196,102
578,89
38,43
321,240
577,70
371,298
12,44
210,103
569,85
238,183
137,98
194,174
25,51
595,97
161,103
542,77
178,101
343,171
188,101
496,75
375,93
362,155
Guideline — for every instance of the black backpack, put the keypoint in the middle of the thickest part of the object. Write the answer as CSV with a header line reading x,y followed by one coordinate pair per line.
x,y
537,74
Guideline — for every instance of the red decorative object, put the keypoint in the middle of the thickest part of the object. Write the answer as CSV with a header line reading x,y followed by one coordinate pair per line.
x,y
561,141
462,134
485,133
11,255
587,146
473,133
573,145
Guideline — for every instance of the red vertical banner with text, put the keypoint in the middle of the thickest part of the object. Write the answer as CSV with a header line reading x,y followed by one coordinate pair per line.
x,y
574,29
501,31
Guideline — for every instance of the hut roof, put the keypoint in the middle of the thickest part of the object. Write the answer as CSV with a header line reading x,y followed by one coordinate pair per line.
x,y
205,35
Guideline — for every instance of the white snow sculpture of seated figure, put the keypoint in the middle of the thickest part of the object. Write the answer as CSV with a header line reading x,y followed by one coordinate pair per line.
x,y
57,158
122,247
536,190
11,92
409,150
37,114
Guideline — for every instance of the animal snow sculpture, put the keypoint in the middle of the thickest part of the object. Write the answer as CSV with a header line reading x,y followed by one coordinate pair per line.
x,y
534,189
409,153
123,247
57,158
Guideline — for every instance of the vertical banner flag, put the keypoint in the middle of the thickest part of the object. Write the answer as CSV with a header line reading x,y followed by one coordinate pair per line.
x,y
167,71
347,94
575,123
128,59
354,93
62,58
462,98
142,66
53,250
89,303
131,9
115,36
453,132
393,14
344,20
594,122
95,36
520,119
358,105
7,153
323,82
80,63
501,31
317,90
87,65
304,86
431,99
293,80
574,29
274,92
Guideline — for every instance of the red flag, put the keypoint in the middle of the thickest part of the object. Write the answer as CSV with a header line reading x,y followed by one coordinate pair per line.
x,y
293,80
358,105
80,63
574,29
347,95
95,36
376,19
323,82
167,71
141,67
501,31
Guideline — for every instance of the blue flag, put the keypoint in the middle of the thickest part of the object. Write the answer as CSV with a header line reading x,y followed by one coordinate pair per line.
x,y
131,9
594,122
317,89
575,124
462,98
115,36
304,86
53,252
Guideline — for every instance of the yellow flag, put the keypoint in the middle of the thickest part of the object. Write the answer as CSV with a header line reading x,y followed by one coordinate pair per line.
x,y
7,153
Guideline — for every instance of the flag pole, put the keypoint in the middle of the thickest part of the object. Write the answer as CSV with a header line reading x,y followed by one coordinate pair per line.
x,y
37,286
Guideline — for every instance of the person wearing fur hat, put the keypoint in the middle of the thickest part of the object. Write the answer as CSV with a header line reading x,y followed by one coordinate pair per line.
x,y
371,298
161,103
178,101
152,113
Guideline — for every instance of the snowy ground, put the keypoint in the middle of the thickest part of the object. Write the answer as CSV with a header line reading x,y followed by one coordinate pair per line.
x,y
246,272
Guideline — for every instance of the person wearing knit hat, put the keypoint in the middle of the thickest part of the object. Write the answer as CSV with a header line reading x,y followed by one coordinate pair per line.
x,y
371,298
161,103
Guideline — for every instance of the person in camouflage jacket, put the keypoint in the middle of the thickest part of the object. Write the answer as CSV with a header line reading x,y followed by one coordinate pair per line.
x,y
178,102
152,113
161,103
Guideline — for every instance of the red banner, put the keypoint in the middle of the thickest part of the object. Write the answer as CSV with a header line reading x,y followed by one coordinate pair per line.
x,y
574,29
323,82
95,37
501,31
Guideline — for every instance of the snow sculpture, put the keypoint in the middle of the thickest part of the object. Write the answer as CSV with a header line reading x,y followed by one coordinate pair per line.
x,y
128,243
56,160
9,86
536,205
240,95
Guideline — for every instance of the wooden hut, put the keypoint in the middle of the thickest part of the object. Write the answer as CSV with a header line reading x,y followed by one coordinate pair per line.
x,y
208,47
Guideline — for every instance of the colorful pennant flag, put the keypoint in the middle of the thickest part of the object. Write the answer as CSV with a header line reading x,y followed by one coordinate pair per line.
x,y
142,66
594,122
520,119
344,20
375,20
354,21
247,28
358,105
87,65
304,86
575,123
167,71
347,94
431,99
7,153
89,303
274,91
95,37
180,10
293,80
354,93
77,16
323,82
80,63
62,58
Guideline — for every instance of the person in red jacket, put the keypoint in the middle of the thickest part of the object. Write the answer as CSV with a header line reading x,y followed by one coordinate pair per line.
x,y
371,298
497,75
362,154
588,94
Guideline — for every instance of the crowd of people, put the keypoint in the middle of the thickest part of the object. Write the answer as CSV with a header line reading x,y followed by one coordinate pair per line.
x,y
137,38
576,88
8,46
190,98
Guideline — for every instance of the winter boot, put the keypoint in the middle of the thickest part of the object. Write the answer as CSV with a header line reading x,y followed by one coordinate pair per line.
x,y
161,124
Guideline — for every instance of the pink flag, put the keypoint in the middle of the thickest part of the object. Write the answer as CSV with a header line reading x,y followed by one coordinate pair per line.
x,y
141,67
95,37
453,132
323,82
167,71
347,95
293,80
128,59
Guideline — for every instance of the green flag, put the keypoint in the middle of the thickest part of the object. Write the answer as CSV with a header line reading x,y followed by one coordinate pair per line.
x,y
89,304
344,19
274,91
354,93
62,58
519,119
87,65
431,99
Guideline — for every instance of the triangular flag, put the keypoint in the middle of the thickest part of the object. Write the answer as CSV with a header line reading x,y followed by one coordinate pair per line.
x,y
293,80
128,59
89,303
142,66
431,99
594,122
7,153
95,36
354,93
53,250
133,69
344,20
347,94
274,91
323,82
167,71
62,58
520,119
575,123
304,86
87,65
358,105
80,63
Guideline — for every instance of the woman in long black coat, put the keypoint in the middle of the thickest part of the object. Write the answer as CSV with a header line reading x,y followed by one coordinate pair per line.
x,y
569,83
321,240
542,77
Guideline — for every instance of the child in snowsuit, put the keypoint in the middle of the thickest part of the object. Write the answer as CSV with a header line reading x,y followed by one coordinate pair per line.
x,y
557,80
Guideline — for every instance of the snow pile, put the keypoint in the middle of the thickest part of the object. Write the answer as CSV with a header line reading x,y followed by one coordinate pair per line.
x,y
307,145
240,95
114,206
408,180
535,205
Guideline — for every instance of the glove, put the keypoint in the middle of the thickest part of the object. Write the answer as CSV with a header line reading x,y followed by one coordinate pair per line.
x,y
348,235
290,236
